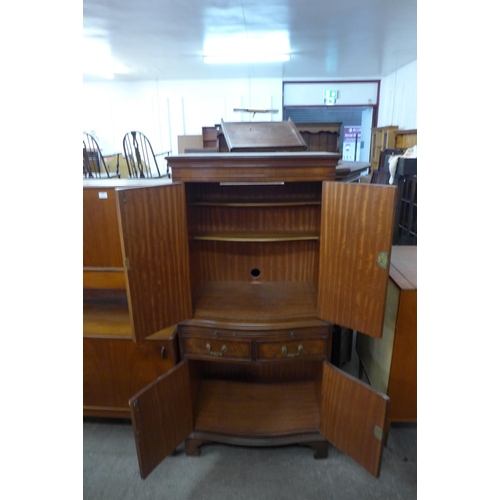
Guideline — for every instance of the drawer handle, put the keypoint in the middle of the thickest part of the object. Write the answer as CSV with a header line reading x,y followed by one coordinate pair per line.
x,y
291,354
215,353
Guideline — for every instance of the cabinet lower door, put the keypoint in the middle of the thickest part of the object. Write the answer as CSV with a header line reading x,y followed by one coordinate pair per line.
x,y
162,416
352,417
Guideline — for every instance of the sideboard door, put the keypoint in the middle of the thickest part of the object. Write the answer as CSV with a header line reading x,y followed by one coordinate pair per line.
x,y
355,247
352,417
162,416
153,232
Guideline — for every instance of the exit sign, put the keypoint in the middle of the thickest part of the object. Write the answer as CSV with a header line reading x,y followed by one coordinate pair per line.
x,y
331,96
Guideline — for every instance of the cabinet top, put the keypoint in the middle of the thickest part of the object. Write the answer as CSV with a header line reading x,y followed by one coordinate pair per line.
x,y
403,269
254,167
114,182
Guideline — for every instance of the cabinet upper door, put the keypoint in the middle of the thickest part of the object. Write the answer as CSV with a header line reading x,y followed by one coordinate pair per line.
x,y
356,236
153,232
162,416
352,417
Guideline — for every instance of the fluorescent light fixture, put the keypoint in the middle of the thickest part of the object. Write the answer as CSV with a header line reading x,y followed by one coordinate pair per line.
x,y
97,59
241,48
246,58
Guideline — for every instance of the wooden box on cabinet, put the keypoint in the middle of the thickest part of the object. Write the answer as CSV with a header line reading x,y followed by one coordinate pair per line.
x,y
242,251
405,139
391,362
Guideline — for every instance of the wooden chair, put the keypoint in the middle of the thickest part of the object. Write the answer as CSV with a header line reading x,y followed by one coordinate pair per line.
x,y
140,157
94,166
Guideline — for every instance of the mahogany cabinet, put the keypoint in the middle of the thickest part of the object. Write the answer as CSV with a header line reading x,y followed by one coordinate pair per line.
x,y
254,256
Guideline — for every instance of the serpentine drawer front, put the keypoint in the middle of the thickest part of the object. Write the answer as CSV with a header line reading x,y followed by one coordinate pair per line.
x,y
268,345
210,348
314,348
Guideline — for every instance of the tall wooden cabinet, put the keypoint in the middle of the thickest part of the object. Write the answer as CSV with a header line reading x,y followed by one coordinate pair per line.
x,y
254,256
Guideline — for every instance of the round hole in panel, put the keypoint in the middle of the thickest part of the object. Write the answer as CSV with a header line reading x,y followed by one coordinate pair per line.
x,y
255,273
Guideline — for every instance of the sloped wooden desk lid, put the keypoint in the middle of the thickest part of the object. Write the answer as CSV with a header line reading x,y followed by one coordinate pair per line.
x,y
262,136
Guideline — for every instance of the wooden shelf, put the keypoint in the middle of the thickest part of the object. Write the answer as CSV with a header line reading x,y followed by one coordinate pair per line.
x,y
106,319
243,408
245,236
255,204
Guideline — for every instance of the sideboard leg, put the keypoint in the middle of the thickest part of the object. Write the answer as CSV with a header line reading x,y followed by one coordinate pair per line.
x,y
320,449
192,447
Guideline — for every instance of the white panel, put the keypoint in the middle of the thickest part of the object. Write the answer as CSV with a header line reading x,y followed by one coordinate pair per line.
x,y
366,128
398,98
312,94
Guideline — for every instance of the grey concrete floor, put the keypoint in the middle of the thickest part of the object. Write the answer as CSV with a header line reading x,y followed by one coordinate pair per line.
x,y
111,472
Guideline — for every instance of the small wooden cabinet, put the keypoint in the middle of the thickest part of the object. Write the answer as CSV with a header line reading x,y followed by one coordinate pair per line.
x,y
391,362
114,366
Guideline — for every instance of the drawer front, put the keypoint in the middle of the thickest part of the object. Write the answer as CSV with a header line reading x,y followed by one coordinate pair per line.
x,y
292,349
212,348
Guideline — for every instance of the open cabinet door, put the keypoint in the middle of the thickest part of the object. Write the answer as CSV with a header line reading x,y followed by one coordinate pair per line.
x,y
352,417
356,238
153,232
162,416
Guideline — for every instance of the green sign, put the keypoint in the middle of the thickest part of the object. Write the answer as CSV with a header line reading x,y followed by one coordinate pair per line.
x,y
331,96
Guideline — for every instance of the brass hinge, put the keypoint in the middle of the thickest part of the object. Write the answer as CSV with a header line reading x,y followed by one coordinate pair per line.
x,y
123,196
379,433
127,264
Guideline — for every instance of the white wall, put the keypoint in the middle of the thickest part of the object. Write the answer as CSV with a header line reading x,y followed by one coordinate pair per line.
x,y
312,94
165,109
398,98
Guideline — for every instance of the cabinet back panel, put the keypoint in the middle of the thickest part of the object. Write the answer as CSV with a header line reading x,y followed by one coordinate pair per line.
x,y
101,237
234,261
252,192
252,218
259,372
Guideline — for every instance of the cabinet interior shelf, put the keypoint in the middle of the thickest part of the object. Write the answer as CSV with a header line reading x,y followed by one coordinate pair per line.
x,y
106,319
242,408
246,236
255,204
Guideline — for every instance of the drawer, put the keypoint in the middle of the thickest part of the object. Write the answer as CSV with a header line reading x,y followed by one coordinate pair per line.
x,y
216,348
292,349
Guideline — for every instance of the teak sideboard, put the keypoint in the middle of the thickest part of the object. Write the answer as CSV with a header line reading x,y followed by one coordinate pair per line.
x,y
253,257
391,362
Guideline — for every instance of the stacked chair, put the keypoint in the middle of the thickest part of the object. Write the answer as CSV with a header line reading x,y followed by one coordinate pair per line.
x,y
140,157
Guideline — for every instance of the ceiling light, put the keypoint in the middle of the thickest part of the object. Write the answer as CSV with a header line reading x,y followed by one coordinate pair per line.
x,y
97,59
246,58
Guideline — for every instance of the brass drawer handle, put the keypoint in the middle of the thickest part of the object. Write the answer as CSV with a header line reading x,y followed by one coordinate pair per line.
x,y
291,354
215,353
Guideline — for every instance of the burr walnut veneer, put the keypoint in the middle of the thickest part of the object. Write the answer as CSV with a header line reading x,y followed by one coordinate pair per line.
x,y
253,257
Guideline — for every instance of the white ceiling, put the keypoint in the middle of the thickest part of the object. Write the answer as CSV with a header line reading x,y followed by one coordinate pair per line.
x,y
328,39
